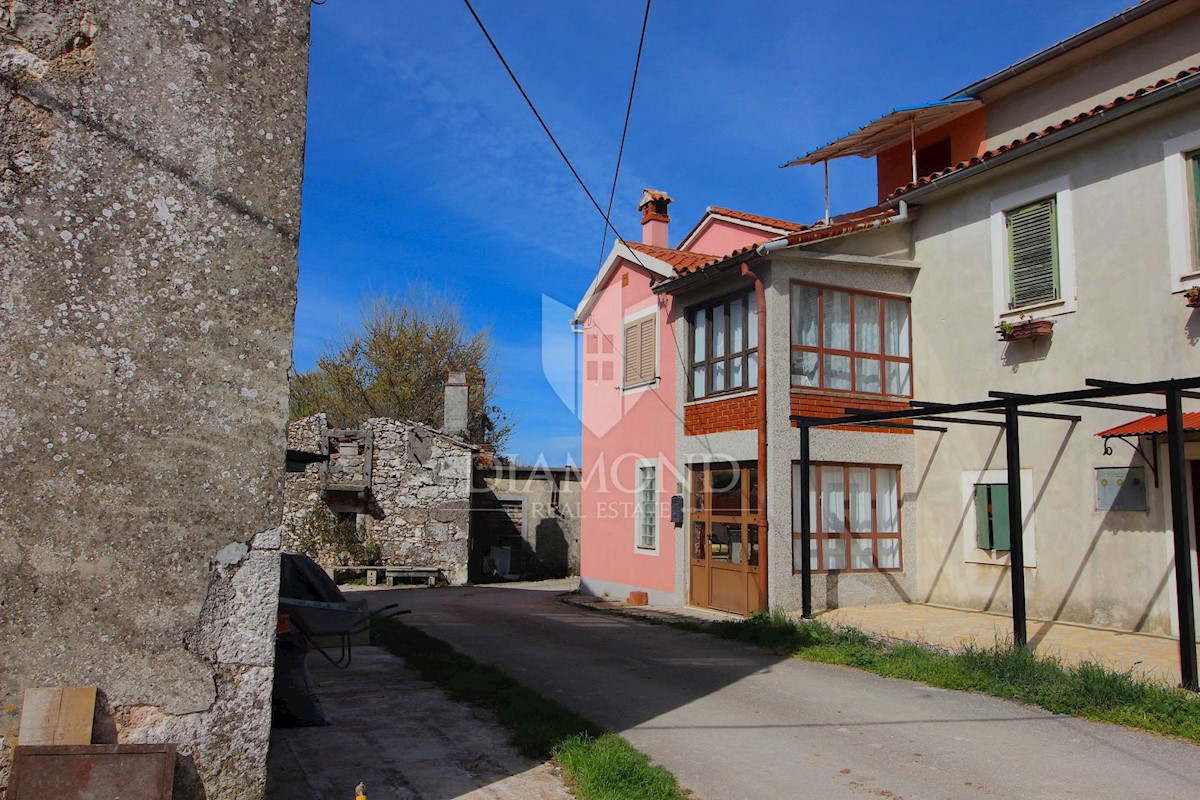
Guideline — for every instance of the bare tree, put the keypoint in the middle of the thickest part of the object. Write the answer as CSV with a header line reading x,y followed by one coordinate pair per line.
x,y
397,363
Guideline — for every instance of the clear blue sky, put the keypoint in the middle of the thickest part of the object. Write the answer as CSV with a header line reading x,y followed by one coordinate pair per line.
x,y
424,165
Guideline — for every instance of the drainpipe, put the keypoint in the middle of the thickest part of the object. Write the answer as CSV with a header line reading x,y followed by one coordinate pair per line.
x,y
760,302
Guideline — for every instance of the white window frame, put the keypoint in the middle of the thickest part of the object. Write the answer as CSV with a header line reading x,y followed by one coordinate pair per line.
x,y
639,511
1182,247
626,321
1000,558
1060,189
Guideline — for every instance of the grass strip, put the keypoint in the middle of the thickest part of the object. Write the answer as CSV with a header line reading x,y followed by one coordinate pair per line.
x,y
1087,690
598,764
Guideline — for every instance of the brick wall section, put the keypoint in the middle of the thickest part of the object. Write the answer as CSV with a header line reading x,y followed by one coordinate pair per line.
x,y
827,406
734,414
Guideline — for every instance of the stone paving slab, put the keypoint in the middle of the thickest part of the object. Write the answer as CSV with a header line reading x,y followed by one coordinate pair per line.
x,y
1153,657
404,739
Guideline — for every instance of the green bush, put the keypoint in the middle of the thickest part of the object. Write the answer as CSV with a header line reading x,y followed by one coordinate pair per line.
x,y
328,540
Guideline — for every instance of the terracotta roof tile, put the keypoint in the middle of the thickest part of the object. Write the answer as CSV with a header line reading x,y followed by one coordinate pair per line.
x,y
756,219
680,260
1155,423
853,222
1036,135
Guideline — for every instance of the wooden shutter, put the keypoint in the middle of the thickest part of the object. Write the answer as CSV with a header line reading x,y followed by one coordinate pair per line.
x,y
983,523
1033,253
639,352
632,353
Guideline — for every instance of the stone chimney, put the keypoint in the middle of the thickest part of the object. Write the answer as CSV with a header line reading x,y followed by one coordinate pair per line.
x,y
455,416
654,217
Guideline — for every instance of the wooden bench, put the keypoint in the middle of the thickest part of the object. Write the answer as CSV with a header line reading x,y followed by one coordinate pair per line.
x,y
390,575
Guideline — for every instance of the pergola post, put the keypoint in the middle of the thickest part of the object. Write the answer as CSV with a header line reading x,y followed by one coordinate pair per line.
x,y
1183,550
1016,520
805,526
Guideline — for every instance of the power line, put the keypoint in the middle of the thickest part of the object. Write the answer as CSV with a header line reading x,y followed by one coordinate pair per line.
x,y
625,129
546,128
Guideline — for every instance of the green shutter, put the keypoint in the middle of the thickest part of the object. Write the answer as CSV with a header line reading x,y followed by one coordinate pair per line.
x,y
1194,158
1033,254
983,531
998,497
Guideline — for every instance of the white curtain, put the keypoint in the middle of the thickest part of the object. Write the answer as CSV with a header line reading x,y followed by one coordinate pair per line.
x,y
804,315
718,333
804,368
736,330
887,485
833,500
860,500
698,341
866,324
860,554
837,320
896,334
889,553
752,322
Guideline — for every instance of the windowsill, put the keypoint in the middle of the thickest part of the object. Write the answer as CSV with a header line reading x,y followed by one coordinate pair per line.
x,y
640,387
646,551
1051,308
850,571
851,395
993,558
713,398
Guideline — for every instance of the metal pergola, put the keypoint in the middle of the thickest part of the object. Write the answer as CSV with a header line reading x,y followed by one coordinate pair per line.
x,y
1012,407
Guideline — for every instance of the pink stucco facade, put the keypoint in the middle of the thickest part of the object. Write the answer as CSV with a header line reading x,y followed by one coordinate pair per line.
x,y
717,237
625,428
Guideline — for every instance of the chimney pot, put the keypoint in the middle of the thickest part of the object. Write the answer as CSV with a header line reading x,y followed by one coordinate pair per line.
x,y
654,217
455,414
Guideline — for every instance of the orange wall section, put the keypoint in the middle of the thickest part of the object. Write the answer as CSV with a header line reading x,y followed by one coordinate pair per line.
x,y
968,136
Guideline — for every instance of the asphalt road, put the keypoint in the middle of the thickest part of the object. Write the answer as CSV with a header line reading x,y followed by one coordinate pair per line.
x,y
733,722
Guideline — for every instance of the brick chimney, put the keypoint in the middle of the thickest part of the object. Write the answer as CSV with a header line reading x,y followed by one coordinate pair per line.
x,y
654,217
455,417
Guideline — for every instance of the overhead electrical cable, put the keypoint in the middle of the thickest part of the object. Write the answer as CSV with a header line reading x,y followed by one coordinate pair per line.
x,y
625,129
546,128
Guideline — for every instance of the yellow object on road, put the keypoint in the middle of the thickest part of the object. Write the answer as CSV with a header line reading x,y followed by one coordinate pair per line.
x,y
360,792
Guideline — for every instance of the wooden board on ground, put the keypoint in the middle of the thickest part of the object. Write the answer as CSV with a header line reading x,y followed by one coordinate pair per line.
x,y
79,772
57,715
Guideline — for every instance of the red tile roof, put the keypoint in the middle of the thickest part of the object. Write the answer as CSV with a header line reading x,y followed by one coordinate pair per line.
x,y
1155,423
1036,135
679,260
769,222
804,234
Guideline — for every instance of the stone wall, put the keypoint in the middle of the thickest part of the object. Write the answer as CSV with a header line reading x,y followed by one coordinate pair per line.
x,y
418,509
151,158
421,485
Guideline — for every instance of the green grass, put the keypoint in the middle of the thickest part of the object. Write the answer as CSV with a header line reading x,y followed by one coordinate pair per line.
x,y
597,763
1086,690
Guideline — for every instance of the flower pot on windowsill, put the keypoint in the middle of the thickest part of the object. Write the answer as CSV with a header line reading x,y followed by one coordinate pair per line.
x,y
1024,329
1192,297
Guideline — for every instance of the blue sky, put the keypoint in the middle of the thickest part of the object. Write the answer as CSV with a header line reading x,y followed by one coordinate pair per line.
x,y
423,164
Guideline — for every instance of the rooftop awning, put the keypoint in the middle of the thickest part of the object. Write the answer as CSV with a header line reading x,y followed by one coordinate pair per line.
x,y
891,129
1155,423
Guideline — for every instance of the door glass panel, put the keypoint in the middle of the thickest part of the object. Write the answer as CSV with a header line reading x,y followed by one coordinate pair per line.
x,y
752,543
860,554
736,550
889,553
726,488
719,543
698,477
697,541
752,473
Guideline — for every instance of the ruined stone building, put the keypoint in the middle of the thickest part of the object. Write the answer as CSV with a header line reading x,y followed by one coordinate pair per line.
x,y
151,158
409,495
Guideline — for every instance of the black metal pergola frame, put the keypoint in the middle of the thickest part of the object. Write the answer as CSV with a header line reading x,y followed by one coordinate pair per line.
x,y
1013,407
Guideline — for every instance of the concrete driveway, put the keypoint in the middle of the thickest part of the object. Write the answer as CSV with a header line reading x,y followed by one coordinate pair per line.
x,y
733,722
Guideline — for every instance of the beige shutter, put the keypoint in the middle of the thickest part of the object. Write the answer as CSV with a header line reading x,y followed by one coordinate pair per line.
x,y
632,354
646,361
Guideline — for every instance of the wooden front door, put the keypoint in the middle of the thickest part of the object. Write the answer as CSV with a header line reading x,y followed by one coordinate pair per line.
x,y
723,551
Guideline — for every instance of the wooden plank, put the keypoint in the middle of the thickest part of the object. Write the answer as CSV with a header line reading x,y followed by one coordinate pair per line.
x,y
57,715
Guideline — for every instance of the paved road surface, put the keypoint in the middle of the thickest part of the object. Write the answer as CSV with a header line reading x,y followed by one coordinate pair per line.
x,y
733,722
